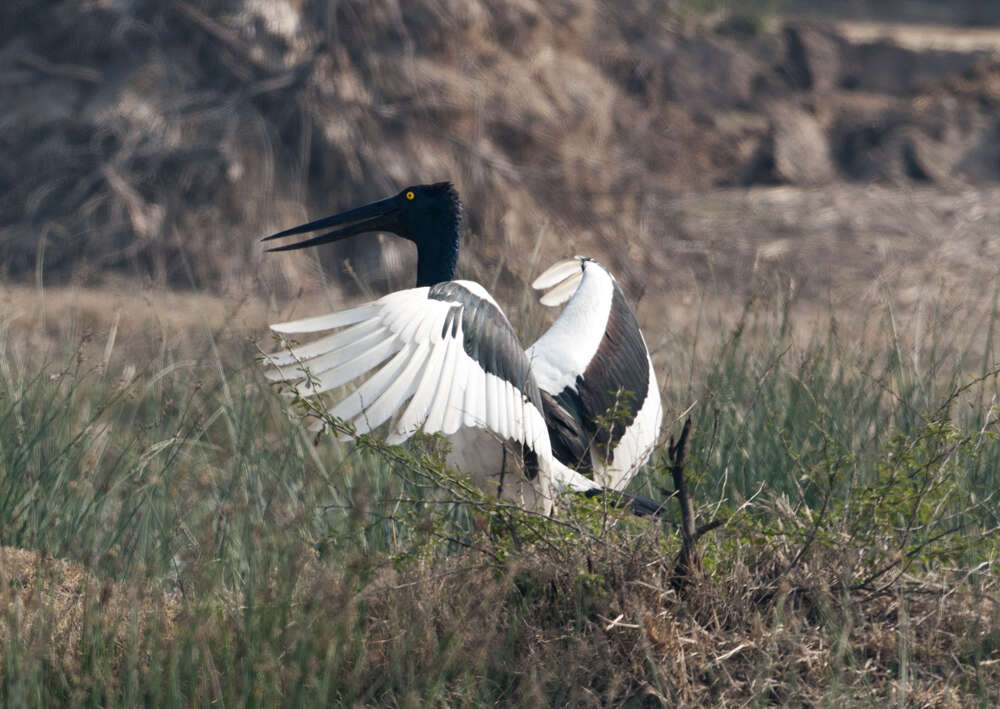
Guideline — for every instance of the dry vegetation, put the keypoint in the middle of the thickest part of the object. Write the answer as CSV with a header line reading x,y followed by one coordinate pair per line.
x,y
155,140
805,212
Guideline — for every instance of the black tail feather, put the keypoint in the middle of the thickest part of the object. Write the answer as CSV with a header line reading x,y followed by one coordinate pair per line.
x,y
640,506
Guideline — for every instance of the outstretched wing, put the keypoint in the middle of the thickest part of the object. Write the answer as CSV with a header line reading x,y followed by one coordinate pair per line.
x,y
602,401
439,359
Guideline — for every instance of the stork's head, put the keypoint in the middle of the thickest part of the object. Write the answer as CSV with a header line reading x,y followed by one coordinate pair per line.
x,y
428,215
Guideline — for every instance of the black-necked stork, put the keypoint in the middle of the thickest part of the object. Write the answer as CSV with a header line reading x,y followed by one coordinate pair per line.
x,y
448,361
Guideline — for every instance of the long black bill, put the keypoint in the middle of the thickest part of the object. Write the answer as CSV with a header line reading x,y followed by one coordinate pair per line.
x,y
377,216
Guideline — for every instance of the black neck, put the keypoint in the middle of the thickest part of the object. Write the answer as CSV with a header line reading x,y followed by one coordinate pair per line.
x,y
437,246
436,261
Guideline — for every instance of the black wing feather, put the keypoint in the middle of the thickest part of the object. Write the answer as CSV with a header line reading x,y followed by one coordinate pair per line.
x,y
567,431
490,340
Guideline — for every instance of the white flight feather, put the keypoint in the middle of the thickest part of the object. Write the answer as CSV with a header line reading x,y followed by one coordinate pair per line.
x,y
562,292
351,369
422,319
556,273
400,389
494,422
517,411
473,406
323,363
500,392
460,377
416,411
439,403
511,401
324,345
330,320
372,389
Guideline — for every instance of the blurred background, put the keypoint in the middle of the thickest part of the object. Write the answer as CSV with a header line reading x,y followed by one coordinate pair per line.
x,y
824,152
800,197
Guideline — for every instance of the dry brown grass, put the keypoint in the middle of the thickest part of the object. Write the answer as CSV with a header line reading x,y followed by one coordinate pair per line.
x,y
598,623
606,625
50,610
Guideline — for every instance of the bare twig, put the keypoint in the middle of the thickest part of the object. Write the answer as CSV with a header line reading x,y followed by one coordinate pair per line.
x,y
687,561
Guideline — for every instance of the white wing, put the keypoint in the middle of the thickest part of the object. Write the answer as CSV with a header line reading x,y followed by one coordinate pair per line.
x,y
585,363
439,359
561,280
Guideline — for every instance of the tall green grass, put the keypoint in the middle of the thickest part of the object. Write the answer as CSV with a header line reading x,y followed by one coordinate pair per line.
x,y
233,559
770,403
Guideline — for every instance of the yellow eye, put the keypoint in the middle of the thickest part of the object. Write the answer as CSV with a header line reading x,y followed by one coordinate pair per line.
x,y
410,195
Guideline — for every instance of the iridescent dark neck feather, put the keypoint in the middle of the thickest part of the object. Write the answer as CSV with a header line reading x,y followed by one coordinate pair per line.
x,y
437,240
